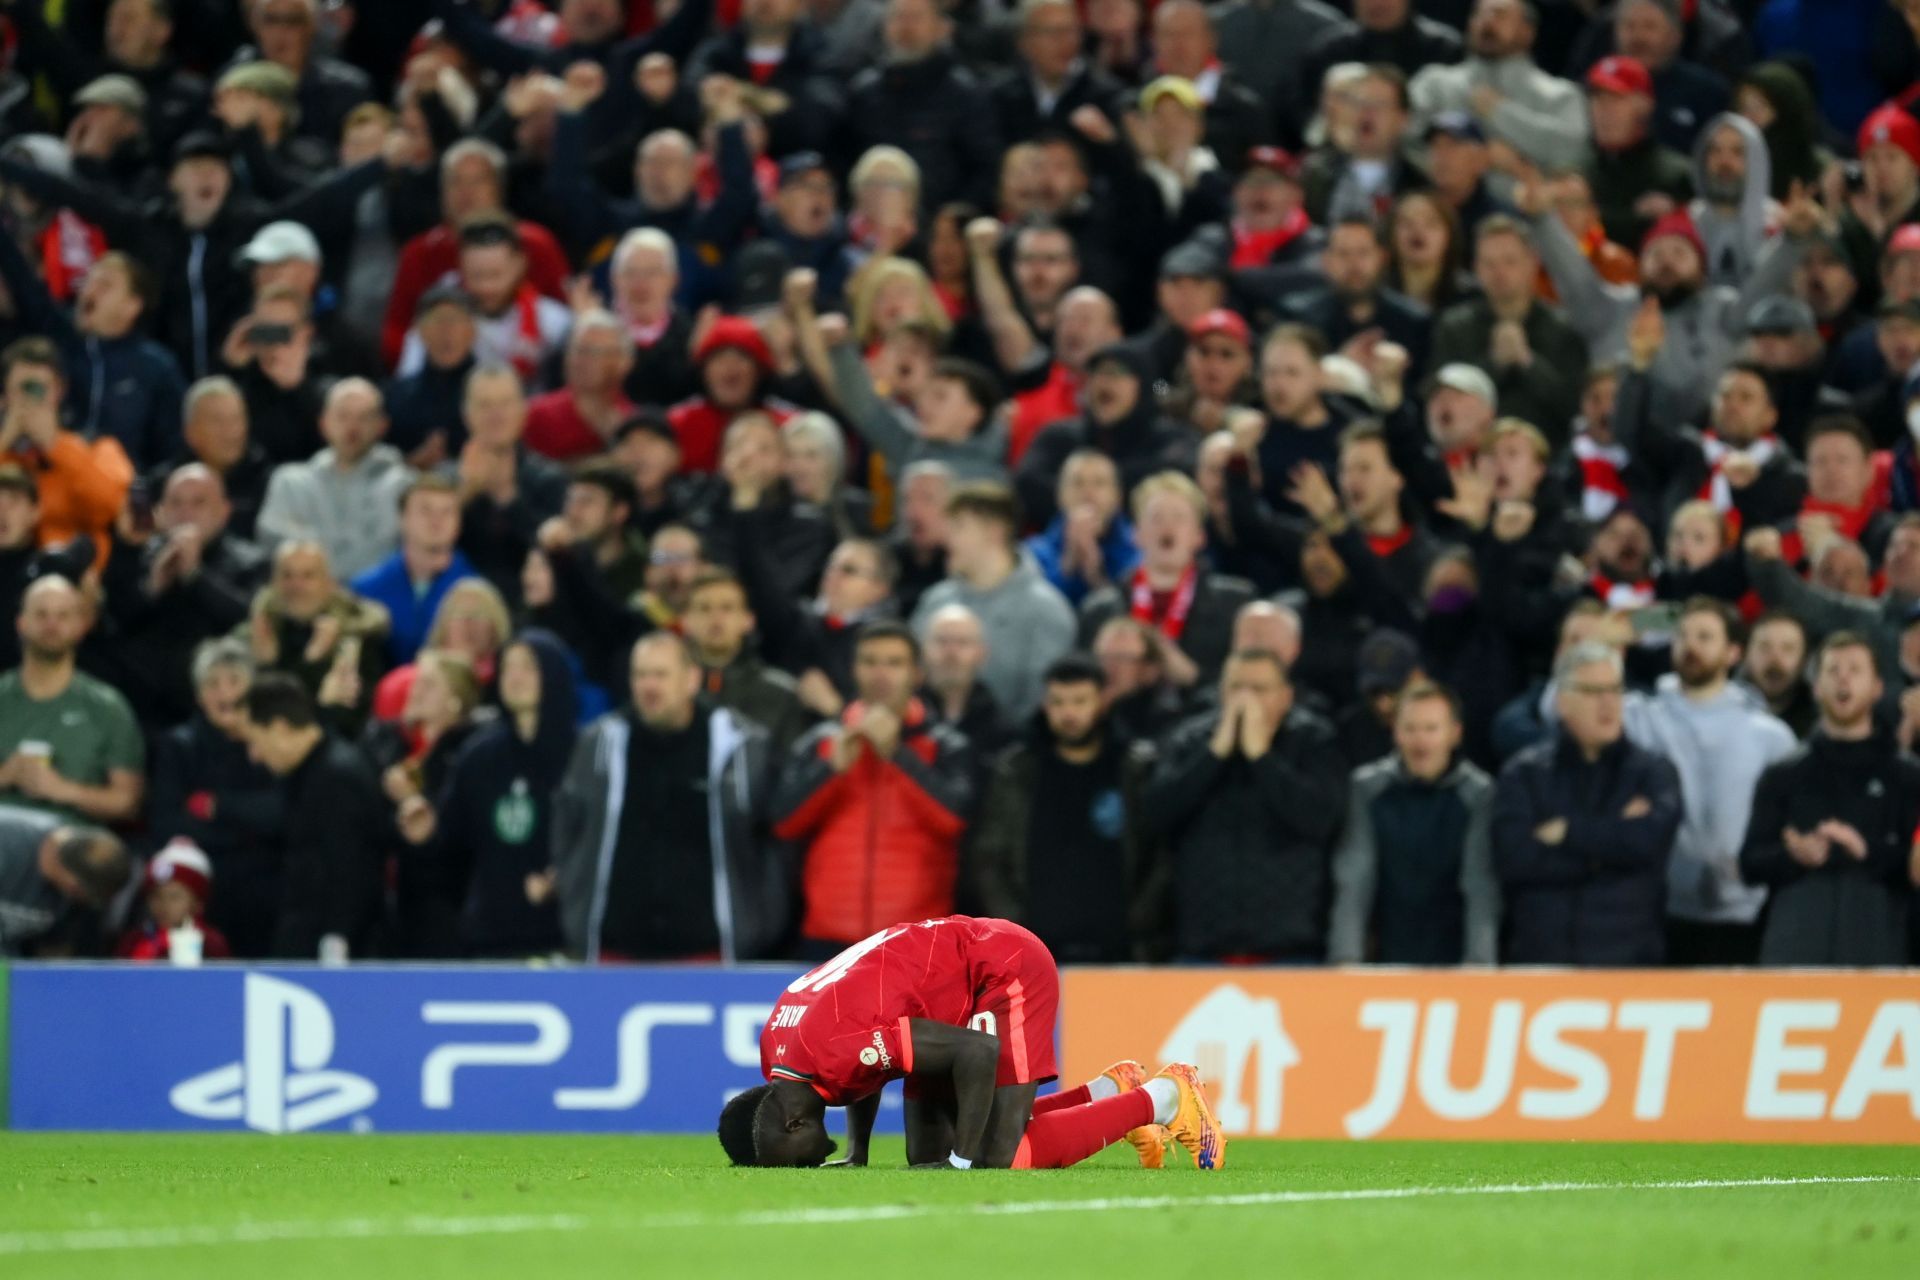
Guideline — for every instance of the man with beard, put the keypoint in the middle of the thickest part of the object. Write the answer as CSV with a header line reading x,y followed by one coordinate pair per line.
x,y
1061,841
515,325
1739,463
1775,668
1720,743
1539,115
1217,372
473,175
1356,302
1833,826
1704,320
1732,211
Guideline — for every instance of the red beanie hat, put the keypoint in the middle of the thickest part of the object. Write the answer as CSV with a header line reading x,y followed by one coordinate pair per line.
x,y
1676,224
1891,125
739,334
182,863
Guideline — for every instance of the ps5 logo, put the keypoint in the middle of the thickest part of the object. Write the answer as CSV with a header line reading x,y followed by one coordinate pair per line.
x,y
280,1084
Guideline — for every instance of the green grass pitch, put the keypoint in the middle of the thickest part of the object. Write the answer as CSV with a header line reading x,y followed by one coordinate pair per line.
x,y
473,1208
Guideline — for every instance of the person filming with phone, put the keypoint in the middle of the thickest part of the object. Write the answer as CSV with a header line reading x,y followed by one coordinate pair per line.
x,y
81,483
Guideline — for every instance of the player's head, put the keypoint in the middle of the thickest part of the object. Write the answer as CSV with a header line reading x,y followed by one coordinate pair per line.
x,y
776,1128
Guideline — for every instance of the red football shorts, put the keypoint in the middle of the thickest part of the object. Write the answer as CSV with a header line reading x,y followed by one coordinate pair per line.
x,y
1017,1002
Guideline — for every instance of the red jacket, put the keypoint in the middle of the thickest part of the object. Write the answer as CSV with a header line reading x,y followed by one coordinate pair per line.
x,y
434,253
883,838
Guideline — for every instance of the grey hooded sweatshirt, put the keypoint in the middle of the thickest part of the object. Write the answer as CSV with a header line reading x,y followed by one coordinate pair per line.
x,y
1703,332
1027,624
1720,747
1734,238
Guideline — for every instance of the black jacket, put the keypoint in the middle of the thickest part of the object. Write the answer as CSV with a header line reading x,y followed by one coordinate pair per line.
x,y
1848,911
144,645
1676,456
425,402
1249,843
938,113
203,786
496,817
1598,897
496,537
761,694
1018,112
204,289
998,854
336,827
796,537
1140,444
1415,43
1402,319
812,105
1208,635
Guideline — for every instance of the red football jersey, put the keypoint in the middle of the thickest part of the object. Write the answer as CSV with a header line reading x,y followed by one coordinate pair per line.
x,y
843,1027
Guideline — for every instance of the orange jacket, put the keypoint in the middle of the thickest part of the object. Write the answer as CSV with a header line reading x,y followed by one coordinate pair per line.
x,y
882,839
83,484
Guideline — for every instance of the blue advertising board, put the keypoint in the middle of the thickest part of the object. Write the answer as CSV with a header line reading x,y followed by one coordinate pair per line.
x,y
280,1050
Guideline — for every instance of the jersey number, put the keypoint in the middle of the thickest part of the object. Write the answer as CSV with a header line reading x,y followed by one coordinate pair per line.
x,y
983,1021
835,969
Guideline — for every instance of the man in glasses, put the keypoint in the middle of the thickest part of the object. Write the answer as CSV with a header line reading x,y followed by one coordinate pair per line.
x,y
1582,828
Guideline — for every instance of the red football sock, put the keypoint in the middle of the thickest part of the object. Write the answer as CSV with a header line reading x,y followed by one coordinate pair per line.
x,y
1078,1096
1068,1135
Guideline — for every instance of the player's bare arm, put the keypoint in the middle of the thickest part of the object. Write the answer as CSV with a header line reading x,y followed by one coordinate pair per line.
x,y
860,1117
967,1059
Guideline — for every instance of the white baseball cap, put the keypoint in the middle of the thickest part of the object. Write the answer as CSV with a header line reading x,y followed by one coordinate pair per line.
x,y
281,242
1469,380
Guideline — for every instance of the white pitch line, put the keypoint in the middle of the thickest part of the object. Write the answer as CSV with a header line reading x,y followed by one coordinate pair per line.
x,y
94,1240
1020,1208
106,1238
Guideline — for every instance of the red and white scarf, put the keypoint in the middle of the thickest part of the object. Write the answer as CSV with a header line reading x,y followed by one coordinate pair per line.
x,y
1601,486
1622,595
1716,489
1174,620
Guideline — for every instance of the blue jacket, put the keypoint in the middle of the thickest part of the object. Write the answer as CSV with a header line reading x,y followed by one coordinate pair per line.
x,y
387,584
1118,556
127,387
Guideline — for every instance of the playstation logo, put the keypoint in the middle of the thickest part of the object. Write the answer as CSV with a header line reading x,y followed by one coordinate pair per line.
x,y
280,1085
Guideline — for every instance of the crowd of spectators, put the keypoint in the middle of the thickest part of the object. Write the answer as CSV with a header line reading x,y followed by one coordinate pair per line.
x,y
1265,481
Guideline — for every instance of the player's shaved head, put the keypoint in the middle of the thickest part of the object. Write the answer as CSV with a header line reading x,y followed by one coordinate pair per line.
x,y
777,1126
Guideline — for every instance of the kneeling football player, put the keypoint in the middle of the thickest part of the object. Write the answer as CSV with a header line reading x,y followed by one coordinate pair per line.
x,y
963,1010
